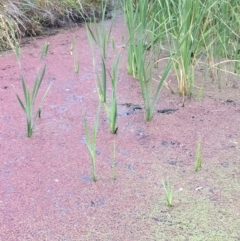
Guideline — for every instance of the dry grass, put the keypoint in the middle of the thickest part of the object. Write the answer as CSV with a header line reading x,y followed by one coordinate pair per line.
x,y
19,18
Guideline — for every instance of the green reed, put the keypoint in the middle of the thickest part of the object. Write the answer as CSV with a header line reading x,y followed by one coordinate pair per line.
x,y
91,140
27,104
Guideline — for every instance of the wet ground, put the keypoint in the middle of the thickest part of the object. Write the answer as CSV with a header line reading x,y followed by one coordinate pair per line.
x,y
46,188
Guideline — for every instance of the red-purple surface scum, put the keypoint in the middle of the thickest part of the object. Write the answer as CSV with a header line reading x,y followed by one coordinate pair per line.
x,y
46,187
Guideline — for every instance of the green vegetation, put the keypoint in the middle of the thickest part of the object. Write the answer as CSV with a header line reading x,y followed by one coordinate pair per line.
x,y
143,35
30,96
98,32
190,33
101,81
91,140
112,110
168,192
198,159
181,34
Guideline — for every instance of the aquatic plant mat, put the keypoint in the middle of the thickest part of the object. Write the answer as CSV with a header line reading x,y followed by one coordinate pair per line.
x,y
46,186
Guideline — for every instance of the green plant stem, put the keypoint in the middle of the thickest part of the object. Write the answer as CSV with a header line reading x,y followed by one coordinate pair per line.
x,y
198,159
91,140
112,110
168,192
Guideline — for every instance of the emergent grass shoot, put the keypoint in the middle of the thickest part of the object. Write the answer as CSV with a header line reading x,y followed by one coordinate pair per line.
x,y
112,110
168,192
91,140
28,103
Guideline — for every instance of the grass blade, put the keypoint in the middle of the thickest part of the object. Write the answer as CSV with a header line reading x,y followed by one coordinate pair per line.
x,y
19,100
168,192
44,50
198,159
91,141
17,53
104,82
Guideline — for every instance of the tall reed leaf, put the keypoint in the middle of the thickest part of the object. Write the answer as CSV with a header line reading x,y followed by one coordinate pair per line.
x,y
101,81
131,19
146,28
99,33
112,111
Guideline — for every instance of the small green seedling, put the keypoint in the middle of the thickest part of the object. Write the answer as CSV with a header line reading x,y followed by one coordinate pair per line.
x,y
91,142
168,192
27,104
198,159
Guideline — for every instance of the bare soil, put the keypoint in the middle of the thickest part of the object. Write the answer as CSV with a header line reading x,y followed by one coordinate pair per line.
x,y
46,188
